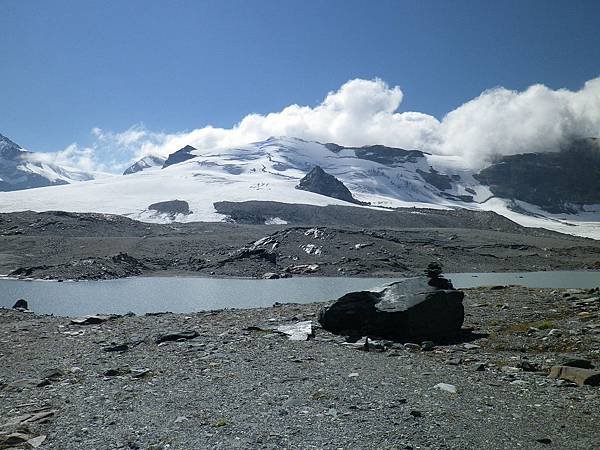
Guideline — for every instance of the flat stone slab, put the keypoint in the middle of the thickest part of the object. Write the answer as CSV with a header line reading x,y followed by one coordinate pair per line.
x,y
583,377
90,320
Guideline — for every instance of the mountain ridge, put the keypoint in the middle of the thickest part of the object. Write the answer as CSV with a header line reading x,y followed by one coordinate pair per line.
x,y
21,169
269,170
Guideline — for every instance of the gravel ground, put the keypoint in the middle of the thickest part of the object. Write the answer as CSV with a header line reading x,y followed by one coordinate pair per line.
x,y
239,385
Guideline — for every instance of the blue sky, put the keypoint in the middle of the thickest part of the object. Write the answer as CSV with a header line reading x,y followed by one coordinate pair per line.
x,y
69,66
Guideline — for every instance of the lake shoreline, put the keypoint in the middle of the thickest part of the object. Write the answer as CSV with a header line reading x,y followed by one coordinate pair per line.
x,y
185,275
193,294
234,385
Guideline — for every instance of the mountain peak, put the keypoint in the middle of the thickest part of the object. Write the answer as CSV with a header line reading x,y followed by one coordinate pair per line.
x,y
144,163
320,182
8,148
181,155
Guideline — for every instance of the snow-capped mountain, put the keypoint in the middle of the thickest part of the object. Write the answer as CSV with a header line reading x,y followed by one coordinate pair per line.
x,y
147,162
270,170
21,169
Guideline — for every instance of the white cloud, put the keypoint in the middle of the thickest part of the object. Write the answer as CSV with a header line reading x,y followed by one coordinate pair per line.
x,y
503,122
72,157
362,112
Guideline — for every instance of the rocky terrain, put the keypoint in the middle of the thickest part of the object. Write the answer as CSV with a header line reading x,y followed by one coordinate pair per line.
x,y
228,379
59,245
558,182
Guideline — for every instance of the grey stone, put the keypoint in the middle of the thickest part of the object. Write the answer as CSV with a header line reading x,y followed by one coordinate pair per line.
x,y
176,335
21,304
478,367
270,276
119,371
446,387
577,375
116,347
90,320
427,346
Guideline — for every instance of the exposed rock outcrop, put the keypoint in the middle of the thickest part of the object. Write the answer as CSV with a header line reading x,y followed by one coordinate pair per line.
x,y
171,207
320,182
556,181
181,155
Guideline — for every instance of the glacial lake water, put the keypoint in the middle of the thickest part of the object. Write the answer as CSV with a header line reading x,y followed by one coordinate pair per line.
x,y
188,294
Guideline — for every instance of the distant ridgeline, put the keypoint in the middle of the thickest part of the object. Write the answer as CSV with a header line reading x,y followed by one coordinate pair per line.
x,y
22,169
558,182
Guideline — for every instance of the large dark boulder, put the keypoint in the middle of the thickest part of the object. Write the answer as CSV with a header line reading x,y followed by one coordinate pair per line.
x,y
320,182
407,309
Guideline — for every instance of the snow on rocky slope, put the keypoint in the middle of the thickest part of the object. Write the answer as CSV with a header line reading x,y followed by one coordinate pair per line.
x,y
146,163
271,169
21,169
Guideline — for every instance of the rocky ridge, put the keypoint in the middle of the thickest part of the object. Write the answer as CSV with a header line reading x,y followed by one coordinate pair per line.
x,y
559,182
59,245
21,169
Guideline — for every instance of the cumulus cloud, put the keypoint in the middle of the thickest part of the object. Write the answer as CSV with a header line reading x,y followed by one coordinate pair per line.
x,y
362,112
504,122
72,157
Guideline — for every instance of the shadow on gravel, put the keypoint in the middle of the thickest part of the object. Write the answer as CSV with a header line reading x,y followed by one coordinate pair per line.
x,y
466,335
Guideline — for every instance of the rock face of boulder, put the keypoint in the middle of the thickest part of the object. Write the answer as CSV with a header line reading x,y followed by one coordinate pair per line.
x,y
171,207
406,309
320,182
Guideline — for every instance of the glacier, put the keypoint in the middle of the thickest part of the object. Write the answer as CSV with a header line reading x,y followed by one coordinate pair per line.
x,y
269,170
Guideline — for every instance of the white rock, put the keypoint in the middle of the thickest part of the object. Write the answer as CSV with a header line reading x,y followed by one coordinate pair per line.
x,y
468,346
299,331
37,441
446,387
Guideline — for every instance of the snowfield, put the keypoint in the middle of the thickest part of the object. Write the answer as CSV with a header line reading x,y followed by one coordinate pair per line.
x,y
269,171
